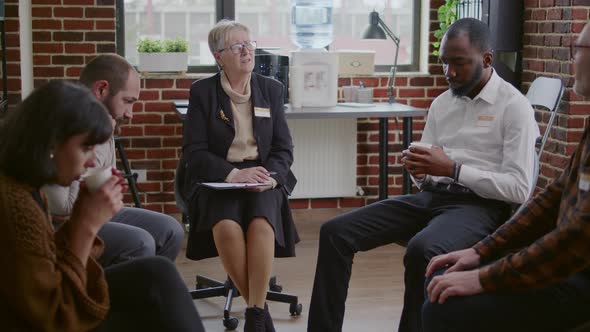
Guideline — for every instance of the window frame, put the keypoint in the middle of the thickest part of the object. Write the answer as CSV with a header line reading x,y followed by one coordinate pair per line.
x,y
227,9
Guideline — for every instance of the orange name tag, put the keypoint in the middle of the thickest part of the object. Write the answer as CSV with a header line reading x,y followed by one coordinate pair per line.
x,y
484,121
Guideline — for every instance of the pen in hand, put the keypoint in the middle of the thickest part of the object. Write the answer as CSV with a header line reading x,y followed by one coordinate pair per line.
x,y
272,173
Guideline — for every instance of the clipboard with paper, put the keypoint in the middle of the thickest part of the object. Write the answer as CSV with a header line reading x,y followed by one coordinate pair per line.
x,y
227,185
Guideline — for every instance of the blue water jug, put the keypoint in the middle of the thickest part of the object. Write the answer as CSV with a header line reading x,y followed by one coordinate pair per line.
x,y
311,23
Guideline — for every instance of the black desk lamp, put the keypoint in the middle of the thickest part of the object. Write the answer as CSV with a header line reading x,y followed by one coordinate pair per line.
x,y
377,29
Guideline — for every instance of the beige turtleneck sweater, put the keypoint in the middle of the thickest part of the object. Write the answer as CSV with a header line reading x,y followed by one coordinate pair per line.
x,y
244,145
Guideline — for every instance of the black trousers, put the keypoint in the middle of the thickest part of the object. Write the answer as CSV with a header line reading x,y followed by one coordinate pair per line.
x,y
148,294
556,308
433,222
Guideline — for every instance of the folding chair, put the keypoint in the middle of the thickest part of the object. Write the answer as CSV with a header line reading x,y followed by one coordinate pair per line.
x,y
545,92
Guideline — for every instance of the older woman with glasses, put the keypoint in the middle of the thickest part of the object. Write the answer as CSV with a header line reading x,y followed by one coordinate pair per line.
x,y
235,132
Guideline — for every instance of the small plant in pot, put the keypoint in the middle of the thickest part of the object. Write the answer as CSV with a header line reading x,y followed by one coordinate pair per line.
x,y
167,55
447,15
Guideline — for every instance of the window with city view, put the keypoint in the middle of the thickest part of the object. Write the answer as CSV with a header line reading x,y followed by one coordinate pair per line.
x,y
270,23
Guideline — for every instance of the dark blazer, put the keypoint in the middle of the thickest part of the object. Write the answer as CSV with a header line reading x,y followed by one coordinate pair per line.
x,y
208,134
209,131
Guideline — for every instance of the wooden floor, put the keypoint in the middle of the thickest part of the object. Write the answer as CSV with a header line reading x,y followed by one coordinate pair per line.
x,y
374,299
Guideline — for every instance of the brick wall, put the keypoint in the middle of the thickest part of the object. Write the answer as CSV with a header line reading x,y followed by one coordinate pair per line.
x,y
548,28
12,51
153,139
67,36
68,33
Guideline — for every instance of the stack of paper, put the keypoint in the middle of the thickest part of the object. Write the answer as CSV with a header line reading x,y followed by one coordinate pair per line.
x,y
224,185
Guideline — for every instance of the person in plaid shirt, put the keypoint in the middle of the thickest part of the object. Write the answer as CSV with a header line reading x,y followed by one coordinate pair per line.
x,y
533,273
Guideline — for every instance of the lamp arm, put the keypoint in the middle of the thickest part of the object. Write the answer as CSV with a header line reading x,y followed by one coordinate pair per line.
x,y
389,32
393,72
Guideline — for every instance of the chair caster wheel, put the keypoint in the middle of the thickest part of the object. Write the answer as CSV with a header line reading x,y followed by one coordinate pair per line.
x,y
231,323
295,309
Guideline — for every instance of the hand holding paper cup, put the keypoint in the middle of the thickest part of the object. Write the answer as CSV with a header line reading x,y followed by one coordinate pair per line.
x,y
96,177
422,145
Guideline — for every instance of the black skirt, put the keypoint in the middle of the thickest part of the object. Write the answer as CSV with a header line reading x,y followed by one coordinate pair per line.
x,y
209,206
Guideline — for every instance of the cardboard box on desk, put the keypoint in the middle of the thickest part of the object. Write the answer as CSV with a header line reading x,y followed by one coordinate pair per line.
x,y
356,62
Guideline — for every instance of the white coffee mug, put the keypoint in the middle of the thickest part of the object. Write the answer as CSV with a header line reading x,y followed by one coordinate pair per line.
x,y
96,177
421,144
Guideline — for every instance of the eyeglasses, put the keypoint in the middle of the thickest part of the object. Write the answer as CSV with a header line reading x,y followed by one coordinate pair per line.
x,y
575,48
239,47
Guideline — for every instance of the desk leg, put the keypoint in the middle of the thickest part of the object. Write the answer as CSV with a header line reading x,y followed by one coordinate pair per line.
x,y
406,138
383,132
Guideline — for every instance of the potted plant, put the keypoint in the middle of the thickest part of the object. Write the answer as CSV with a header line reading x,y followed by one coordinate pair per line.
x,y
167,55
447,15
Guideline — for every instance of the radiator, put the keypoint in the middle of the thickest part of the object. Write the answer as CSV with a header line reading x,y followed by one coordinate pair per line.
x,y
324,157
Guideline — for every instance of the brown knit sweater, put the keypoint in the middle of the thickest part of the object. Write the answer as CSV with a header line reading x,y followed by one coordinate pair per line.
x,y
44,286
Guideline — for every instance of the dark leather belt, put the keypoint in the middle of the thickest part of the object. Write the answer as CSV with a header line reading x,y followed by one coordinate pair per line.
x,y
453,188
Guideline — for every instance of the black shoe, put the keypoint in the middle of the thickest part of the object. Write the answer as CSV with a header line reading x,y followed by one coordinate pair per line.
x,y
255,320
268,320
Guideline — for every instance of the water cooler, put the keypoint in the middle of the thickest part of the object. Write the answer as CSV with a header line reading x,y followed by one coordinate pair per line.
x,y
313,75
325,153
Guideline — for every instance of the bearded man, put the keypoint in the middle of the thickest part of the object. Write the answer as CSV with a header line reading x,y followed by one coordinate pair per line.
x,y
482,133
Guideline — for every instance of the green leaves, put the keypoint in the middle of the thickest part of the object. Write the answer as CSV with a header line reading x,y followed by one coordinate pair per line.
x,y
149,46
447,14
178,45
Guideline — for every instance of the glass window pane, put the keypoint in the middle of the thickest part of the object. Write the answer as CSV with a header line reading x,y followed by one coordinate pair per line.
x,y
270,25
174,24
190,19
269,22
351,17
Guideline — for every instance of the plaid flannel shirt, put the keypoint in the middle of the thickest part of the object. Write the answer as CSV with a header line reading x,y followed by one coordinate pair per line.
x,y
549,240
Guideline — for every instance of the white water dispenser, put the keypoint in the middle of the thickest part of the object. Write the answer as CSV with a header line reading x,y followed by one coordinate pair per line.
x,y
313,74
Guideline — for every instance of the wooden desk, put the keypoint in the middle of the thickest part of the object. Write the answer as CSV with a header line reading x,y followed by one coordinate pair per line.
x,y
383,111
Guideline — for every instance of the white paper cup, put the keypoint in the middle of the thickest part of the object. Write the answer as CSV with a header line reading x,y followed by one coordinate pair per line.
x,y
349,93
422,145
96,177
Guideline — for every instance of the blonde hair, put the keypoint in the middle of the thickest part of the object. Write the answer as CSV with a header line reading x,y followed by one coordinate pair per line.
x,y
219,35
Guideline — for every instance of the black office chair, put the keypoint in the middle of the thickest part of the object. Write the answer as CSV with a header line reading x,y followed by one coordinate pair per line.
x,y
207,287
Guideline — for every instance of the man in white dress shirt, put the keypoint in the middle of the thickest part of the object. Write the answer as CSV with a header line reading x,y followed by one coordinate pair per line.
x,y
483,133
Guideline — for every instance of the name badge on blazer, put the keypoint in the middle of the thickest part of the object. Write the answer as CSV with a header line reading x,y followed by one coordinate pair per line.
x,y
584,183
262,112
